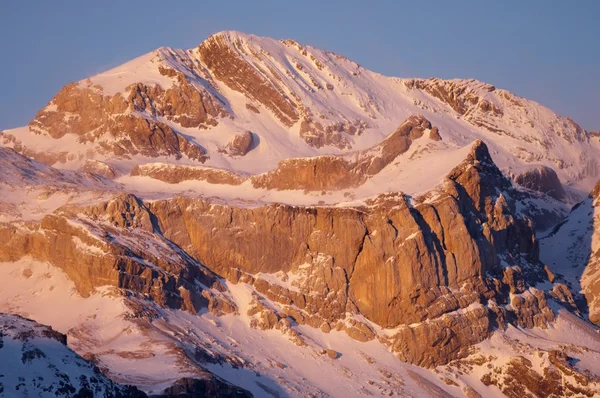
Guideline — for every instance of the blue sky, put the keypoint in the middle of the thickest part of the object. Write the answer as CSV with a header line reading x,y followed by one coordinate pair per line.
x,y
545,50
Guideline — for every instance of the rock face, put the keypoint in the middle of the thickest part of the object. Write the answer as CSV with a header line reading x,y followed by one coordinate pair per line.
x,y
241,144
35,361
221,54
542,179
428,275
121,124
174,174
213,387
99,168
123,251
525,371
394,262
343,171
520,377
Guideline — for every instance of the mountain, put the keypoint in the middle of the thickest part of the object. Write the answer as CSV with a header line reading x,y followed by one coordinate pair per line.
x,y
260,217
36,362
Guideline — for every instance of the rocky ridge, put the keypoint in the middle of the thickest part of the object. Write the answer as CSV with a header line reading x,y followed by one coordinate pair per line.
x,y
189,106
392,262
430,252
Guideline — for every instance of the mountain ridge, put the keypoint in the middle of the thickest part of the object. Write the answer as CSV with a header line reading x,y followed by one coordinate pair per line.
x,y
278,217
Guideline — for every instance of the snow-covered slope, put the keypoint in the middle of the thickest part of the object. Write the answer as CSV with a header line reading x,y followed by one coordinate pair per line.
x,y
572,249
299,102
35,362
259,215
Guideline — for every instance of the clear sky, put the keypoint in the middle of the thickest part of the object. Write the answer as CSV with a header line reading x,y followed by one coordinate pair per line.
x,y
545,50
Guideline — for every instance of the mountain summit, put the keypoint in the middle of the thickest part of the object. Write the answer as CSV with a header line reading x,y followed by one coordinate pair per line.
x,y
186,107
254,216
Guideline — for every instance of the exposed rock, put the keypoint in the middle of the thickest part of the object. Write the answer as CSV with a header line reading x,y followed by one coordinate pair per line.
x,y
99,168
456,94
241,144
343,171
149,138
333,354
520,379
174,174
367,264
531,309
252,108
595,194
221,54
87,112
97,253
542,179
433,343
183,103
434,134
210,387
318,135
432,263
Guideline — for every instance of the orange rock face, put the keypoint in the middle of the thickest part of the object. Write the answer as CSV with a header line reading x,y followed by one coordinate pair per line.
x,y
222,58
431,267
123,126
344,171
174,174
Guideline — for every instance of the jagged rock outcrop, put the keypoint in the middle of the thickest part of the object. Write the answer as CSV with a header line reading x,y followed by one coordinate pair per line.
x,y
174,174
99,168
184,103
221,53
241,144
210,387
440,261
121,124
520,378
492,109
343,171
35,361
115,244
542,179
392,262
459,96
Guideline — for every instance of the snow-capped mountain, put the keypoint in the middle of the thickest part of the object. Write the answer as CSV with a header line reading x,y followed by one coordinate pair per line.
x,y
185,106
255,216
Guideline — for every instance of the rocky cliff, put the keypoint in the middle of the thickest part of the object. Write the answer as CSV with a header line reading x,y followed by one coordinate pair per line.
x,y
250,210
446,268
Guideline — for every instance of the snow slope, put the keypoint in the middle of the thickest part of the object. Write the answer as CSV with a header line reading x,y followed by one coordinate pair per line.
x,y
151,355
34,361
335,91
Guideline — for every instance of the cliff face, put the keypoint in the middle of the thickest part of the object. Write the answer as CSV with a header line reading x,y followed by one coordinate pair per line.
x,y
450,258
115,244
418,244
343,171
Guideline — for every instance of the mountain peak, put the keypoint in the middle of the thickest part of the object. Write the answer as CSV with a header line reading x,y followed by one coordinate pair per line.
x,y
234,37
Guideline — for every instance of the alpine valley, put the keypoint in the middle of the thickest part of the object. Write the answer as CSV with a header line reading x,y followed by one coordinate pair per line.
x,y
255,217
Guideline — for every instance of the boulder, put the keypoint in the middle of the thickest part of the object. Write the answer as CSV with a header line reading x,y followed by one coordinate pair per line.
x,y
241,144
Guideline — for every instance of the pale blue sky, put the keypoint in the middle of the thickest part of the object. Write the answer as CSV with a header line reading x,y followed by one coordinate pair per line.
x,y
545,50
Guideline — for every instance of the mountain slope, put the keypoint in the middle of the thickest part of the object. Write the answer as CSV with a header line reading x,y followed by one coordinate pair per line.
x,y
184,107
572,249
263,214
36,362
